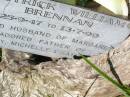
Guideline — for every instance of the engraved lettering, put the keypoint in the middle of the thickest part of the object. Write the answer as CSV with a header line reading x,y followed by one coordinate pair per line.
x,y
38,3
14,36
1,26
58,30
59,17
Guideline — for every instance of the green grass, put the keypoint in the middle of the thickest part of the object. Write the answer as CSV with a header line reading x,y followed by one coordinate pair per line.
x,y
125,90
71,2
81,3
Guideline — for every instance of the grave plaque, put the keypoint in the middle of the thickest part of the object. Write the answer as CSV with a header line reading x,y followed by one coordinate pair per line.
x,y
53,29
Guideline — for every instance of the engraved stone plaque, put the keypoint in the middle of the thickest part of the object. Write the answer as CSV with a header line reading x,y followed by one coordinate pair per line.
x,y
58,30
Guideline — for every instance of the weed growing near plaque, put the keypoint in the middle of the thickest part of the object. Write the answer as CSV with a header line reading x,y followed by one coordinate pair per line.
x,y
71,2
125,90
82,3
48,96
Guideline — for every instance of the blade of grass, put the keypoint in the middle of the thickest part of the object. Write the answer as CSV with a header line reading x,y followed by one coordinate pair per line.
x,y
103,74
82,3
71,2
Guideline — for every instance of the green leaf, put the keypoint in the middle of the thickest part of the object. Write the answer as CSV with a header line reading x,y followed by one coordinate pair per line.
x,y
82,3
71,2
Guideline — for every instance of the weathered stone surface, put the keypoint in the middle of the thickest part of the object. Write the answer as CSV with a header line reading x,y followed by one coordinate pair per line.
x,y
65,78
